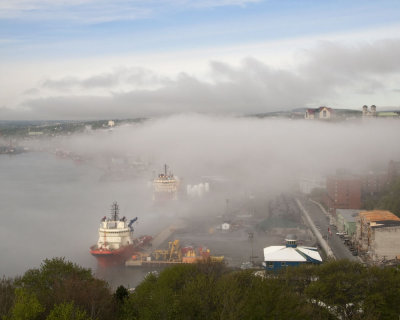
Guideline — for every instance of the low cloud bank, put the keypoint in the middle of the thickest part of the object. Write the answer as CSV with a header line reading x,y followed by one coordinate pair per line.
x,y
329,74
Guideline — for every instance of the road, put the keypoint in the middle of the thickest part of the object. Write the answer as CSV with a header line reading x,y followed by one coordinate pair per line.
x,y
321,221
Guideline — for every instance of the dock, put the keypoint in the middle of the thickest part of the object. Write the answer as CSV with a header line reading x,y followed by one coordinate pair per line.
x,y
158,240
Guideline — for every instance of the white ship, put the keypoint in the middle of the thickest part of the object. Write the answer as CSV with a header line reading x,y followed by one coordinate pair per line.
x,y
166,186
116,243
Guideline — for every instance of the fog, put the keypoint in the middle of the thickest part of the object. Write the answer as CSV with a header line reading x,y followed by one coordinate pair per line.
x,y
52,206
266,153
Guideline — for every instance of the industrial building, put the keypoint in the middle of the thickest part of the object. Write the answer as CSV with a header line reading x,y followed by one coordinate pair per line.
x,y
378,235
278,257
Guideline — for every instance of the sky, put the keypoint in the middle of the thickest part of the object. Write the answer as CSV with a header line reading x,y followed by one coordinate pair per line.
x,y
87,59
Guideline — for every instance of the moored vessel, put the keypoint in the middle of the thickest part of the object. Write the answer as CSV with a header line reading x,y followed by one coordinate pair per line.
x,y
116,243
166,186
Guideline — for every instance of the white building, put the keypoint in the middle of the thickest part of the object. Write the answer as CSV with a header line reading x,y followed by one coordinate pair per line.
x,y
278,257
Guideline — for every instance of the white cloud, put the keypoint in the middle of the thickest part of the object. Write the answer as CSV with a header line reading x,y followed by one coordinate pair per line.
x,y
331,74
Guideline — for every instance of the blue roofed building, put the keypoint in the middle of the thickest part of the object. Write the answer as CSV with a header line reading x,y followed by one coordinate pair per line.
x,y
278,257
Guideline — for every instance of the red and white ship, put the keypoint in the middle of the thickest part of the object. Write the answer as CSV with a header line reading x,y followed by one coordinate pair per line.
x,y
116,243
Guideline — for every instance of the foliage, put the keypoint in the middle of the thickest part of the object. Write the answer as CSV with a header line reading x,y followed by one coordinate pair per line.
x,y
357,292
6,296
67,311
388,199
121,294
209,291
58,281
333,290
26,306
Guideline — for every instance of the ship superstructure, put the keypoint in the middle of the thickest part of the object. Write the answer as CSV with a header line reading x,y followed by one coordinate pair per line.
x,y
116,243
166,186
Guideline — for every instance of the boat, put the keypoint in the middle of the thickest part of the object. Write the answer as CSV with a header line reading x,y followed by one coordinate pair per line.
x,y
116,243
166,186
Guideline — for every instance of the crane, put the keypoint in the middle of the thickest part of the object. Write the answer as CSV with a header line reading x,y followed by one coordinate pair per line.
x,y
131,223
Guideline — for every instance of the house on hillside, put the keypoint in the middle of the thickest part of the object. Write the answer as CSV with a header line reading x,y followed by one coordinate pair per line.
x,y
321,113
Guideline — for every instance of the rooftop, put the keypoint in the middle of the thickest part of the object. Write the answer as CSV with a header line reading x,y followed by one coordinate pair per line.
x,y
378,215
290,254
349,215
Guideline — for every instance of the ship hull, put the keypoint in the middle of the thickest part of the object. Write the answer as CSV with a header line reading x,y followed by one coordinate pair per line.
x,y
110,258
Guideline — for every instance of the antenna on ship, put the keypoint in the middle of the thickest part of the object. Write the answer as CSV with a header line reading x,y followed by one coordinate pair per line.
x,y
114,211
165,169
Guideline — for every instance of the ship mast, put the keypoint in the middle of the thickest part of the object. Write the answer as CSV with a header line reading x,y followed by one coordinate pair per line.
x,y
115,211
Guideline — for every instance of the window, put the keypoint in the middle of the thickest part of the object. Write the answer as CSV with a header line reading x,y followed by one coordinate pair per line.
x,y
270,265
283,264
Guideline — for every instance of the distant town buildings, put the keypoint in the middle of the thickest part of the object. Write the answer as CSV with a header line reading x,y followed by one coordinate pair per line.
x,y
321,113
343,191
378,235
369,113
372,113
373,183
278,257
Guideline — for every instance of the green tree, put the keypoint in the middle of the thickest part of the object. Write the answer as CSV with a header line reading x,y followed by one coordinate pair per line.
x,y
211,291
121,294
390,200
387,199
382,293
58,281
26,306
67,311
247,296
341,286
6,296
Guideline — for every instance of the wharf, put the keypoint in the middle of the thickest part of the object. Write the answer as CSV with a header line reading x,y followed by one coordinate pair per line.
x,y
158,240
152,263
